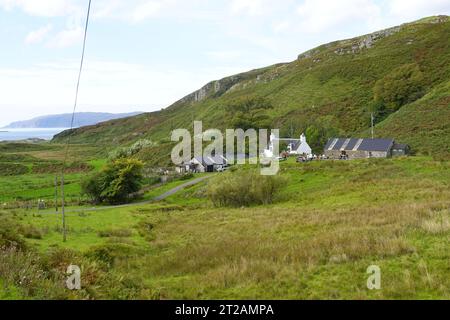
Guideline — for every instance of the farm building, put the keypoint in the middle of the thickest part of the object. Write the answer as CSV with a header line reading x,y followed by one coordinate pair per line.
x,y
399,150
205,164
353,148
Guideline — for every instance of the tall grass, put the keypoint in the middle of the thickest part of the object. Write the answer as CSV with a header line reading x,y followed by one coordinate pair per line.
x,y
244,188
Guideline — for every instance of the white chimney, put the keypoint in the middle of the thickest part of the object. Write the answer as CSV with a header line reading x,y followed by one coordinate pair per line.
x,y
303,138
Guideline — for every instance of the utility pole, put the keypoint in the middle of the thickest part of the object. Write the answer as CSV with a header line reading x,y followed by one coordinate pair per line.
x,y
372,121
63,209
56,193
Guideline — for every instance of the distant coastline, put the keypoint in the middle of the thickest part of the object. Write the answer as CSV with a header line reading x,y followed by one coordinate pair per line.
x,y
65,120
29,134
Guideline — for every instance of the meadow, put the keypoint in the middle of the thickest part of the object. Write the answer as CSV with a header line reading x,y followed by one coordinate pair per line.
x,y
327,222
326,226
28,171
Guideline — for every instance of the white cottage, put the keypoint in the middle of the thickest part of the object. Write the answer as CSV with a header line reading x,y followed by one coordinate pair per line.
x,y
295,146
299,147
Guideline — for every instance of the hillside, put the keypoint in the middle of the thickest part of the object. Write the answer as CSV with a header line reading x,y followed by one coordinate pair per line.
x,y
329,223
64,120
402,73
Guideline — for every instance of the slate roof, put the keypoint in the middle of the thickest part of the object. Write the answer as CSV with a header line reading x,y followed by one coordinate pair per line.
x,y
354,144
219,160
209,161
400,146
296,145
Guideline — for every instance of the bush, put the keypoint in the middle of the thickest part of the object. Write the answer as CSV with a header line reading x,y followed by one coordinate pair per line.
x,y
26,271
118,182
12,169
244,188
127,152
442,155
108,254
118,233
187,176
31,232
9,234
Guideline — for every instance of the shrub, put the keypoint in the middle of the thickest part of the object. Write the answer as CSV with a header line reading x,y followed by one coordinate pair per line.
x,y
31,232
127,152
108,254
187,176
26,271
441,155
243,188
119,233
12,169
61,258
9,234
118,182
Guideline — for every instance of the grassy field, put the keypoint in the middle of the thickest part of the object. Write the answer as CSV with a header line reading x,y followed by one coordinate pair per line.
x,y
27,171
329,223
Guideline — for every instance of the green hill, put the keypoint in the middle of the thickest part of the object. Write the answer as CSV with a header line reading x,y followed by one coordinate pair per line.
x,y
402,74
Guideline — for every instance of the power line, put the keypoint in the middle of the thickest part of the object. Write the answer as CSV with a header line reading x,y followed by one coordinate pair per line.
x,y
73,118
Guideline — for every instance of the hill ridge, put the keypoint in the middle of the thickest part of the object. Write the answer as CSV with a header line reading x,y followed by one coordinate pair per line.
x,y
329,92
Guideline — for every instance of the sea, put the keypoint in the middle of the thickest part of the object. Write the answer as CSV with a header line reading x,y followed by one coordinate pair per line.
x,y
31,133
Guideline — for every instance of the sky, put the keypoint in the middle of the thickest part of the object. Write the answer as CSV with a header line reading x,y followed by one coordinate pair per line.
x,y
143,55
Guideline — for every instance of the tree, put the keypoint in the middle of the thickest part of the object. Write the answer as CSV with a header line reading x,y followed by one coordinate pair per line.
x,y
319,131
116,183
402,86
378,108
249,113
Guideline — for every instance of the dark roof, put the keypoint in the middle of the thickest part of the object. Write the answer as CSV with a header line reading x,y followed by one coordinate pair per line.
x,y
238,156
216,160
349,144
295,145
400,146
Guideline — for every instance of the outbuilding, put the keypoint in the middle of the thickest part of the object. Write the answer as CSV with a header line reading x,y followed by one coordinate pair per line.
x,y
354,148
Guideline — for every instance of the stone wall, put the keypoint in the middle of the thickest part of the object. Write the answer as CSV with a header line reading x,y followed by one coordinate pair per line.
x,y
336,154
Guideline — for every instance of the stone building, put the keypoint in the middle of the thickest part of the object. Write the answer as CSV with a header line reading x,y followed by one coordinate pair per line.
x,y
353,148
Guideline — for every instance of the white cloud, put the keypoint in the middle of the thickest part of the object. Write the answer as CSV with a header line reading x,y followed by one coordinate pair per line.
x,y
67,38
224,55
41,8
37,36
146,10
323,15
251,7
415,9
